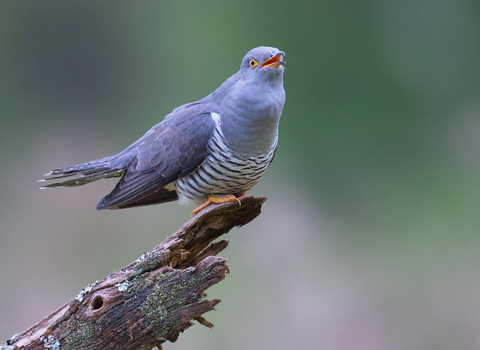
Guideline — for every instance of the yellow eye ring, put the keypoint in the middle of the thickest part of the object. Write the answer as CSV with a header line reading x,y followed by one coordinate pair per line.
x,y
253,63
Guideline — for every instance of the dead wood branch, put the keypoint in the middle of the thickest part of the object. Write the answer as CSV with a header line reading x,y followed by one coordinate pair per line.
x,y
152,299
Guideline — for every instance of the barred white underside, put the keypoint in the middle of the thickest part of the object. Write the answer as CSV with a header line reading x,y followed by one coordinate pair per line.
x,y
223,172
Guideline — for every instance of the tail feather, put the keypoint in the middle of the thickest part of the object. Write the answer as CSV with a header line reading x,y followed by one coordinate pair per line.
x,y
83,168
84,173
85,179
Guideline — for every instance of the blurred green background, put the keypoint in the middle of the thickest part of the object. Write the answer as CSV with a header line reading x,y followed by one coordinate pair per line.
x,y
370,237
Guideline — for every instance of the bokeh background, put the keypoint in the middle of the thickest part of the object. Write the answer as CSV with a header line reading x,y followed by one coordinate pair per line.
x,y
370,237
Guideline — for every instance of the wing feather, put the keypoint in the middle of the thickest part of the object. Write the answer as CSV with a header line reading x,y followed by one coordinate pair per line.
x,y
172,149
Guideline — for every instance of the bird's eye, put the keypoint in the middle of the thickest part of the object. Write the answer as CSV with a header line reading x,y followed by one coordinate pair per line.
x,y
253,62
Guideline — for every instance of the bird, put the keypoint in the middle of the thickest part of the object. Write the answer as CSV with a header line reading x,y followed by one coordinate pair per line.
x,y
213,150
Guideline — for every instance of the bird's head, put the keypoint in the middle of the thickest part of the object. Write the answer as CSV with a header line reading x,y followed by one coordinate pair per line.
x,y
263,59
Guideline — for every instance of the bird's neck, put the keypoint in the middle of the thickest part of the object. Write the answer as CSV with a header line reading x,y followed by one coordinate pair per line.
x,y
250,115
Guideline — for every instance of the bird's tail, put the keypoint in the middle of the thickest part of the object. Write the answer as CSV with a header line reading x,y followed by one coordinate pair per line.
x,y
84,173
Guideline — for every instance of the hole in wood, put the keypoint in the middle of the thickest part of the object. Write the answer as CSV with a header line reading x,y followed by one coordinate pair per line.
x,y
97,302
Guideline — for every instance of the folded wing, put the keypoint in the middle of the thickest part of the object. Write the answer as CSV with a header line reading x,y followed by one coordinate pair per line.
x,y
170,150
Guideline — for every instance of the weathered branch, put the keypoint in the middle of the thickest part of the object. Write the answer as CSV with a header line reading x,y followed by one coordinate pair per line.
x,y
152,299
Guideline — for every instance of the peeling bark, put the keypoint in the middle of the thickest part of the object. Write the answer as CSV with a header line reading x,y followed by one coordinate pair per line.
x,y
152,299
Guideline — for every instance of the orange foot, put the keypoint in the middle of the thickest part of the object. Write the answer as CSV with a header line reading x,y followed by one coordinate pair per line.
x,y
225,199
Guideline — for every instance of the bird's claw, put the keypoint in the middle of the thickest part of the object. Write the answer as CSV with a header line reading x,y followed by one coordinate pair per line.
x,y
211,199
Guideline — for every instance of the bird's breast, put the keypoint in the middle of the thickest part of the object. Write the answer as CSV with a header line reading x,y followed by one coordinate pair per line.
x,y
223,172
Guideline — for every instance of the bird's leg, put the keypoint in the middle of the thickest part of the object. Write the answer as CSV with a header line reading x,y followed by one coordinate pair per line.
x,y
211,199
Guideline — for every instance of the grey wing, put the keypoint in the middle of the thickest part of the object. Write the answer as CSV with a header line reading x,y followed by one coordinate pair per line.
x,y
170,150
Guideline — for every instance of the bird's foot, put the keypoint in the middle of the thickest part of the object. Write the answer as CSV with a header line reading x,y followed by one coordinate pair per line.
x,y
211,199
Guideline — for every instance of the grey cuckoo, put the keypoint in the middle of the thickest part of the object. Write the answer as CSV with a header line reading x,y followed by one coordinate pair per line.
x,y
213,150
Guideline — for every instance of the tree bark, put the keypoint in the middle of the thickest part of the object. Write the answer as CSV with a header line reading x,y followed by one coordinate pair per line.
x,y
152,299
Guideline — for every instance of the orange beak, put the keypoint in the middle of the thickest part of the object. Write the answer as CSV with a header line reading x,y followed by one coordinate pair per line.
x,y
275,61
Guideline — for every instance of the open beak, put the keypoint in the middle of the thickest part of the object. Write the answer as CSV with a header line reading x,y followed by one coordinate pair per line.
x,y
275,61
